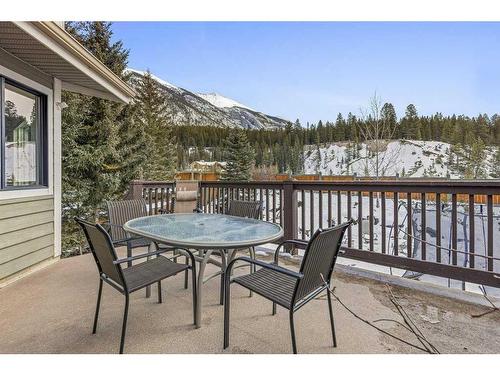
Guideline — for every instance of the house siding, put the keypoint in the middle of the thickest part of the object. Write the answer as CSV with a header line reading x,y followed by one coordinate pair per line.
x,y
26,233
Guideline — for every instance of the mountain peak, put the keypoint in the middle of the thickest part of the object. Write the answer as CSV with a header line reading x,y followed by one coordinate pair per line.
x,y
157,79
185,107
221,101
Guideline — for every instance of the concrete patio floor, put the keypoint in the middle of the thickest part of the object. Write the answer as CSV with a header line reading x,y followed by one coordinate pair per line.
x,y
51,311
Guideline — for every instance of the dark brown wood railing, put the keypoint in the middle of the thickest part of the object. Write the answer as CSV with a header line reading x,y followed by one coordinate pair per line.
x,y
158,194
439,228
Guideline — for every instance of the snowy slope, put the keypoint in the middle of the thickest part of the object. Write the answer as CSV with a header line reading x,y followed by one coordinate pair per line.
x,y
187,108
157,79
406,158
221,101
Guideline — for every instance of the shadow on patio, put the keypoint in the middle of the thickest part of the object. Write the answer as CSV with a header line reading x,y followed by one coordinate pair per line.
x,y
51,311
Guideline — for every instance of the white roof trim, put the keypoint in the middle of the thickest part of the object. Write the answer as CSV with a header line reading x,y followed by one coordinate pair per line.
x,y
61,43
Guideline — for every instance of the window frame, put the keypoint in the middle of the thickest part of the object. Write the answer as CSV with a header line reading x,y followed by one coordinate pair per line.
x,y
41,137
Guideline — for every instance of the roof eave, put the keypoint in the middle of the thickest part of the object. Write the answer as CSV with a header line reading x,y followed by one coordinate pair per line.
x,y
61,42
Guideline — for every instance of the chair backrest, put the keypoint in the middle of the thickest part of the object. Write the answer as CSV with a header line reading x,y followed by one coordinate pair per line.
x,y
119,212
319,259
103,251
251,209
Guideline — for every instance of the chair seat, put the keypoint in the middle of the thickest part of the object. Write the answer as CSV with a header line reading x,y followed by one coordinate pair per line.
x,y
151,271
270,284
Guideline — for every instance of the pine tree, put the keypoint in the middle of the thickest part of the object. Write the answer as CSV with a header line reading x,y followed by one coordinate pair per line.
x,y
91,159
96,154
133,146
239,156
388,115
475,162
410,123
495,164
162,154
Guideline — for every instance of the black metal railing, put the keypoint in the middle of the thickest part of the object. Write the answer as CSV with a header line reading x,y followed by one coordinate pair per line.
x,y
443,228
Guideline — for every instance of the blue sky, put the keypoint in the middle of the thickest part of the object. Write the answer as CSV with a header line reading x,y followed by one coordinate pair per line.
x,y
312,71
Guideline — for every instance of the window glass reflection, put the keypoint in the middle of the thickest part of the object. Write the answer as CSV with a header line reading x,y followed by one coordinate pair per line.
x,y
21,133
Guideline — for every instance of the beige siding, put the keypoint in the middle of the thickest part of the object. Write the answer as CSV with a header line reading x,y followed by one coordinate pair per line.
x,y
26,233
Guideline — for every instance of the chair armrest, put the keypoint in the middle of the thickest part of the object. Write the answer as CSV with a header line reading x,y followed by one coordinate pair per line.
x,y
140,256
295,242
108,227
269,266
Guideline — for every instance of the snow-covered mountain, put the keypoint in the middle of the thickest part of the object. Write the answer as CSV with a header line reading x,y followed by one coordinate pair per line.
x,y
221,101
187,108
404,158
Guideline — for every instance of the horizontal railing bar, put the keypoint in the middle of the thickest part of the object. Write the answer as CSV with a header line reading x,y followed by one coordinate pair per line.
x,y
477,187
426,267
423,266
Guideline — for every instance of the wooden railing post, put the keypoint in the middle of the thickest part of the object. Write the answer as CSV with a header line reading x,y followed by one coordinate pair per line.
x,y
135,189
289,203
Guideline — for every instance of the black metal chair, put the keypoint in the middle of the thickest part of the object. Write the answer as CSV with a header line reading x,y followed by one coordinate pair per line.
x,y
287,288
250,209
119,212
130,279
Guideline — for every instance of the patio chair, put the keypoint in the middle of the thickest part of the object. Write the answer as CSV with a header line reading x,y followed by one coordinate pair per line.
x,y
288,288
130,279
250,209
119,212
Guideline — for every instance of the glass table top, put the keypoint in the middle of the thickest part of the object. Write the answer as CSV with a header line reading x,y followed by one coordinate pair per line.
x,y
205,231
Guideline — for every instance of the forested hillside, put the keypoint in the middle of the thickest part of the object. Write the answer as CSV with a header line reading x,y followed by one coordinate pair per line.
x,y
469,138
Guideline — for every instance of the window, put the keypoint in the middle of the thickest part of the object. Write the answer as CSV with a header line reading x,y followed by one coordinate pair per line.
x,y
23,136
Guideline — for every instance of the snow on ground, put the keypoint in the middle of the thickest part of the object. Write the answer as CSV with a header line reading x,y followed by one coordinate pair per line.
x,y
463,241
404,158
221,101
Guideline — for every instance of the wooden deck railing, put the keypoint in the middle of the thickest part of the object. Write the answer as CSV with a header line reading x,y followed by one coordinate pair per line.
x,y
439,228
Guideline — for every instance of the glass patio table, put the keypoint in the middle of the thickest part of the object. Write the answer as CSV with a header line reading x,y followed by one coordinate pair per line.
x,y
206,233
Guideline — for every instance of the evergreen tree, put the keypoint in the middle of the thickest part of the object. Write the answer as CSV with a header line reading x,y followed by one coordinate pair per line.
x,y
161,154
410,123
132,145
388,115
98,152
474,164
495,165
239,156
91,159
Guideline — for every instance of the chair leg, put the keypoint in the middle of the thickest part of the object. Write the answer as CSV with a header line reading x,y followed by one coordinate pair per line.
x,y
274,308
96,316
292,332
330,310
148,288
129,254
159,292
252,266
124,326
186,274
227,301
